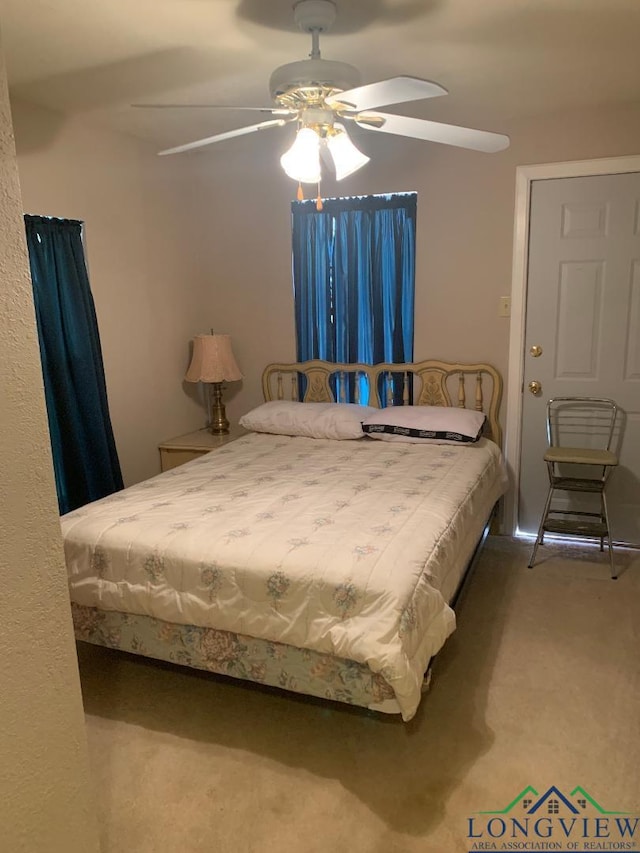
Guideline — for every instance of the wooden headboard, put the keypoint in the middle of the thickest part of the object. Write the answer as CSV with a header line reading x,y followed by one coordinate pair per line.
x,y
434,383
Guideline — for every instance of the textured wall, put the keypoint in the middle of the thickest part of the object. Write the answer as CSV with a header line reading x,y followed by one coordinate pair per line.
x,y
45,804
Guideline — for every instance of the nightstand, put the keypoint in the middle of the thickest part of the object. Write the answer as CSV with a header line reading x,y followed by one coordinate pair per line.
x,y
184,448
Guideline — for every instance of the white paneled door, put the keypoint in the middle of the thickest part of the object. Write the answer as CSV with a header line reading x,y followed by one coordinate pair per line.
x,y
582,333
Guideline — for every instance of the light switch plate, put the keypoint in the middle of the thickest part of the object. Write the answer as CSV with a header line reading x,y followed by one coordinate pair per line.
x,y
504,306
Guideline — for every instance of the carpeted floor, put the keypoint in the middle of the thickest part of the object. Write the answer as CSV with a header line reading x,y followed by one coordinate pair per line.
x,y
539,686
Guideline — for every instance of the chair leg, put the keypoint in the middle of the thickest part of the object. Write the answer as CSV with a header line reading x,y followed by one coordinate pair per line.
x,y
614,575
540,534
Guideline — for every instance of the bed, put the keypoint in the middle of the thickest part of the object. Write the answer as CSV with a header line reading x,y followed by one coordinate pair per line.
x,y
318,563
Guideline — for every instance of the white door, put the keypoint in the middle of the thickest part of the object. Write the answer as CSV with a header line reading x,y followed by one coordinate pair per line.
x,y
583,313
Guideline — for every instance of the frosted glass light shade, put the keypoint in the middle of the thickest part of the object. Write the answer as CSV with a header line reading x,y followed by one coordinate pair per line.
x,y
212,360
347,159
302,161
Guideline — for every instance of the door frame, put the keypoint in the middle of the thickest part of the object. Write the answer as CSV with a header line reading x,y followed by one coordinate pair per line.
x,y
525,176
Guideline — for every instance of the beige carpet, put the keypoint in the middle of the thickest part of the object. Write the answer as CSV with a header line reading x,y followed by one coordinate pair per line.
x,y
539,685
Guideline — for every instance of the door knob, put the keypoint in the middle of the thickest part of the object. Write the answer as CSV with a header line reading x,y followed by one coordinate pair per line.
x,y
536,351
535,387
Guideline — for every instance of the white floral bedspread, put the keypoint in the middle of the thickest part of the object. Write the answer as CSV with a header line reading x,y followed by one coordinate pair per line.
x,y
350,548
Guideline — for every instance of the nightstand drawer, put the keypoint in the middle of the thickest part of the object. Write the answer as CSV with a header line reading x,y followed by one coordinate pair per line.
x,y
171,457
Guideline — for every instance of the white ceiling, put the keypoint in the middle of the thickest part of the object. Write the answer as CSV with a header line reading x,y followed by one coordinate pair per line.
x,y
499,59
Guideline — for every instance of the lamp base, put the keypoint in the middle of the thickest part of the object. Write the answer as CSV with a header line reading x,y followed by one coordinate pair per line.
x,y
219,424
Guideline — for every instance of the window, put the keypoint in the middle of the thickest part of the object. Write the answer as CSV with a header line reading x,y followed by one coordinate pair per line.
x,y
354,280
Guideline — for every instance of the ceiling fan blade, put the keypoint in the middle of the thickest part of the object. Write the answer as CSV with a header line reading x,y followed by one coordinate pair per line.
x,y
272,110
395,90
433,131
229,134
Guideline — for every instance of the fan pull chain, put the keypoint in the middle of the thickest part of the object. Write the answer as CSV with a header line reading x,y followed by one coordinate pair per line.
x,y
300,196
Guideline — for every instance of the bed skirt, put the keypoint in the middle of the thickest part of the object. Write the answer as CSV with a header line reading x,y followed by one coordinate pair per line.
x,y
237,655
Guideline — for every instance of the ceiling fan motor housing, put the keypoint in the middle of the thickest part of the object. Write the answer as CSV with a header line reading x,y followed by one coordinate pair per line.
x,y
313,73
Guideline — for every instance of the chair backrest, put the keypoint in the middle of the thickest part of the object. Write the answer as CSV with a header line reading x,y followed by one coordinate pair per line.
x,y
587,422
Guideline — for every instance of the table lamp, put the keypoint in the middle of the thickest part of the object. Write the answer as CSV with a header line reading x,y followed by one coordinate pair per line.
x,y
212,362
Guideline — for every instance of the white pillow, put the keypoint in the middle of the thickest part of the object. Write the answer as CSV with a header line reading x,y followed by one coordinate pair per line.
x,y
313,420
418,424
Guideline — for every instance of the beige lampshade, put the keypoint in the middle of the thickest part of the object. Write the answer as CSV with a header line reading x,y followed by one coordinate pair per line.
x,y
212,360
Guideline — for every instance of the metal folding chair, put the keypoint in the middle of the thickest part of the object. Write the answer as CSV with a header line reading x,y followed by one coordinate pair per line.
x,y
579,460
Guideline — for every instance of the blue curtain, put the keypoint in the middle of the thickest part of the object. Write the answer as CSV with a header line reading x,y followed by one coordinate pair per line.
x,y
85,461
353,278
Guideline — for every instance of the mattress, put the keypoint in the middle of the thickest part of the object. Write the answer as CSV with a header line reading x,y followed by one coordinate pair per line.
x,y
351,549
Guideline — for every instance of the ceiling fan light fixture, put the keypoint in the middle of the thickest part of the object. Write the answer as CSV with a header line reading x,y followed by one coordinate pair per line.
x,y
302,161
347,159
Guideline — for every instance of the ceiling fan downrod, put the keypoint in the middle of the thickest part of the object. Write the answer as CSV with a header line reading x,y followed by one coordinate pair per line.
x,y
315,45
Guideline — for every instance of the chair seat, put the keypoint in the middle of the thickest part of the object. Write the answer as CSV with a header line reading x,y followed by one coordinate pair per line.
x,y
581,456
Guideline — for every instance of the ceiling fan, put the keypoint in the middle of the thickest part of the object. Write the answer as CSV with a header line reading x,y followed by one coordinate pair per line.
x,y
323,97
